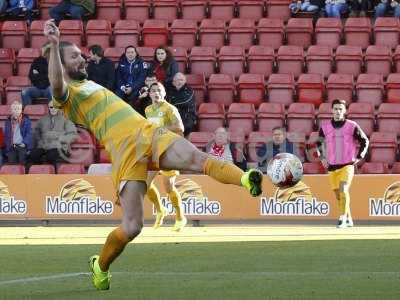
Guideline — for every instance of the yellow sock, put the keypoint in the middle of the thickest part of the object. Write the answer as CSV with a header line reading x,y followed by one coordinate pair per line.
x,y
346,204
223,172
115,244
176,201
154,196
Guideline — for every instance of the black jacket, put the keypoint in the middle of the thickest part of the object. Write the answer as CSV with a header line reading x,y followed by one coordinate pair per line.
x,y
102,73
39,73
184,100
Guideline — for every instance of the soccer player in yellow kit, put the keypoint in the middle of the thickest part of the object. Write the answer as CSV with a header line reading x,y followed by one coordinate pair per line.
x,y
165,115
135,146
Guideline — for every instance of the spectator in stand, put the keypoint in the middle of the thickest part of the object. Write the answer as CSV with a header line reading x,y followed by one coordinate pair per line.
x,y
305,5
183,98
130,75
21,8
3,6
76,9
278,144
164,66
100,69
144,99
334,8
39,76
221,148
385,5
53,136
359,8
17,135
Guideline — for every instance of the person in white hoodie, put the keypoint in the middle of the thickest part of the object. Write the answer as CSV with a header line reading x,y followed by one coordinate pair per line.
x,y
334,8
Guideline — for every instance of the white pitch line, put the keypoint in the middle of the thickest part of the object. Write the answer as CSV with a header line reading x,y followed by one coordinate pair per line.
x,y
206,274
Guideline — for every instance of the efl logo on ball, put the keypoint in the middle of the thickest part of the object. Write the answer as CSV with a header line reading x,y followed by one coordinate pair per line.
x,y
285,170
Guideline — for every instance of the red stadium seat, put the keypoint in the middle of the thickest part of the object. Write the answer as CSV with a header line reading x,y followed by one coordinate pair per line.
x,y
37,37
324,112
374,168
7,61
241,117
42,169
328,32
231,60
137,10
393,88
71,169
396,59
299,32
357,32
387,32
35,112
300,118
113,54
184,33
98,32
126,33
4,114
24,60
290,60
310,88
193,10
313,168
14,34
255,141
202,60
155,33
14,87
108,10
44,6
72,31
221,9
281,88
383,147
251,9
270,33
319,60
165,10
348,60
181,58
198,83
221,89
370,88
260,60
278,9
378,60
201,139
83,148
270,115
147,53
241,33
211,116
12,169
212,33
104,157
340,86
395,168
251,89
363,114
388,117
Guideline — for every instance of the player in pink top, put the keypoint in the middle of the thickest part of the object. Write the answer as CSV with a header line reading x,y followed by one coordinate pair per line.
x,y
337,147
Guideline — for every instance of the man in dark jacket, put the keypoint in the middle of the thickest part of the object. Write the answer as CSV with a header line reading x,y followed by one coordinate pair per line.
x,y
130,75
100,69
17,135
39,76
183,98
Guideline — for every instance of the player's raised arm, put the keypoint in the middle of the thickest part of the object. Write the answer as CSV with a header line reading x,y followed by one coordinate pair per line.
x,y
56,77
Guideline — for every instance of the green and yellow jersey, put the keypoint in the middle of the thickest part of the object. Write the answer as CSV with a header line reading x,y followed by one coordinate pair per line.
x,y
164,114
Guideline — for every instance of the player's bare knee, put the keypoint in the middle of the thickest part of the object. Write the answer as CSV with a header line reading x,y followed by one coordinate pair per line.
x,y
198,159
133,228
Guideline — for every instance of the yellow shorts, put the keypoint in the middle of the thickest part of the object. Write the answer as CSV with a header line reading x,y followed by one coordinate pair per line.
x,y
344,174
170,173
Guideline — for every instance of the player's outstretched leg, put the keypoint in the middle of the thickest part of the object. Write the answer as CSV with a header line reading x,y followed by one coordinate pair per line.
x,y
132,223
182,155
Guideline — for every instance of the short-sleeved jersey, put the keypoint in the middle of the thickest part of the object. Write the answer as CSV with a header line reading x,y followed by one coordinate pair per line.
x,y
164,114
125,134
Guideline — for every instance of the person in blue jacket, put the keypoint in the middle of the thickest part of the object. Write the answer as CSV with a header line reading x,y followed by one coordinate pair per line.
x,y
17,135
164,66
21,7
130,75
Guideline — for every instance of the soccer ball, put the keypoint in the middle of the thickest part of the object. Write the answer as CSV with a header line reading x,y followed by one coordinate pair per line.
x,y
285,170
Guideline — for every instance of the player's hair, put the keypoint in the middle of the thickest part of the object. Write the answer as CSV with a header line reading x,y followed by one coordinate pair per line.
x,y
97,50
61,48
168,57
131,46
283,129
338,101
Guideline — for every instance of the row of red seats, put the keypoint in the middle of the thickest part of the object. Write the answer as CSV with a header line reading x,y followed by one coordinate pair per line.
x,y
44,169
299,117
170,10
